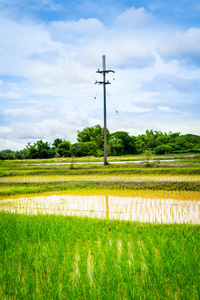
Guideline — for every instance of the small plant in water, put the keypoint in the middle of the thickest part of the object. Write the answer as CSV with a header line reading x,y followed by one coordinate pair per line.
x,y
148,156
71,166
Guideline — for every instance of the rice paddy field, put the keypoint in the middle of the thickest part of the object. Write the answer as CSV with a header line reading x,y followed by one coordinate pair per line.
x,y
88,231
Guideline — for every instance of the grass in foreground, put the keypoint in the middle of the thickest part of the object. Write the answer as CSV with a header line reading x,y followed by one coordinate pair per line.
x,y
54,257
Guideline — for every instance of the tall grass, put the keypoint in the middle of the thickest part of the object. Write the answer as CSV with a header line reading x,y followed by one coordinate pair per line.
x,y
55,257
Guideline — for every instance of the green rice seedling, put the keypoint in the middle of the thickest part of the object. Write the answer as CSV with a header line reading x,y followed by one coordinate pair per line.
x,y
55,257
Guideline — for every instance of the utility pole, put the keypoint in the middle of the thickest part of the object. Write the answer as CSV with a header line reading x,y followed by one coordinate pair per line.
x,y
104,82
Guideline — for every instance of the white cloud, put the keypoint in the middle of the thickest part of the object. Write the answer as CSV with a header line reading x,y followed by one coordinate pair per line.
x,y
130,54
5,130
145,97
166,109
46,130
121,52
10,95
19,41
48,57
71,30
134,17
49,4
183,46
139,109
168,82
18,113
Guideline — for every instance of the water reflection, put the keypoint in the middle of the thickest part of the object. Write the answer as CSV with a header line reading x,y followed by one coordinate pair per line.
x,y
109,207
95,162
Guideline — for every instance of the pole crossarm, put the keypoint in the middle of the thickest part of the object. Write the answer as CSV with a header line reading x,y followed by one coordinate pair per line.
x,y
105,71
102,82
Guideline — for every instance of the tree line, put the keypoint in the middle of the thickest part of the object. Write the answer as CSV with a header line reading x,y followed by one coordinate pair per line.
x,y
90,143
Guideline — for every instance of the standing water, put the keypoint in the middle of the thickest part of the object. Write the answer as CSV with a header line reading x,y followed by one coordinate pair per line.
x,y
141,209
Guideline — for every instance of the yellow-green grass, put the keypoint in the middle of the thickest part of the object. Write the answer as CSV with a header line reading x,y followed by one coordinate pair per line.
x,y
50,178
54,257
78,185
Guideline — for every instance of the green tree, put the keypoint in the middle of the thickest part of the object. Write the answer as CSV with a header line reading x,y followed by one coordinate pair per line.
x,y
83,149
93,134
115,147
150,140
64,149
40,149
22,154
7,154
161,138
192,139
56,142
126,140
31,151
163,149
141,143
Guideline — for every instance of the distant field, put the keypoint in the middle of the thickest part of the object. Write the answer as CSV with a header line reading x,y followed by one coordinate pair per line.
x,y
183,173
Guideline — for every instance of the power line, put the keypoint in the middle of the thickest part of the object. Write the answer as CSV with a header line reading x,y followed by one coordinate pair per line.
x,y
90,107
117,112
123,101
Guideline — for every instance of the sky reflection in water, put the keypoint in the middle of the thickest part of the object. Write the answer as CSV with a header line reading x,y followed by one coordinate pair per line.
x,y
109,207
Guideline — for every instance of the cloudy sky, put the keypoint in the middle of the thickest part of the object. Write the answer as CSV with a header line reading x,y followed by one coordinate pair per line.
x,y
50,51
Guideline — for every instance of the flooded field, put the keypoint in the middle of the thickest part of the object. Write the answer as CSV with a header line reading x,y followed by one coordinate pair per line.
x,y
135,178
95,162
184,208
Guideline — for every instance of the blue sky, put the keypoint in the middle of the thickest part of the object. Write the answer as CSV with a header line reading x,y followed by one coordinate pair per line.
x,y
50,51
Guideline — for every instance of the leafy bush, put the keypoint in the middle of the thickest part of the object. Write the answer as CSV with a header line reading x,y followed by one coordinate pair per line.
x,y
163,149
64,148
